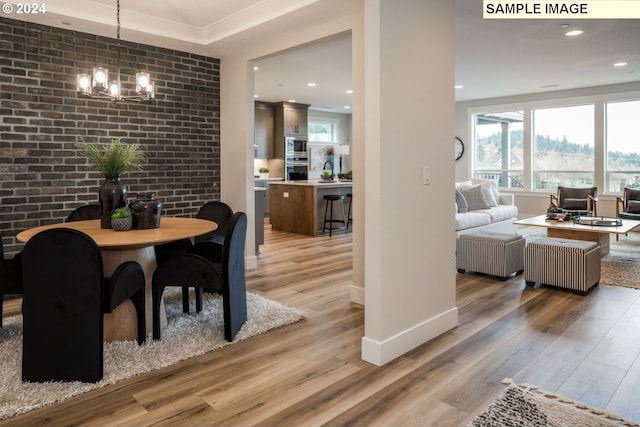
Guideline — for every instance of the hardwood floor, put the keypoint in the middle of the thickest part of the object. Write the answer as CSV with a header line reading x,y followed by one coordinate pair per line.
x,y
310,373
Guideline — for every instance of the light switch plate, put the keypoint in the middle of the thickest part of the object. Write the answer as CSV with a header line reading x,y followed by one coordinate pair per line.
x,y
427,175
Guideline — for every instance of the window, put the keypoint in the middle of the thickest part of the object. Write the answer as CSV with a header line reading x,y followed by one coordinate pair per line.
x,y
575,142
323,130
623,150
498,152
563,147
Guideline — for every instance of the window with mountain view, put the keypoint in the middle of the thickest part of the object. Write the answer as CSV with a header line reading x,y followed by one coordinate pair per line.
x,y
563,147
623,145
498,153
537,148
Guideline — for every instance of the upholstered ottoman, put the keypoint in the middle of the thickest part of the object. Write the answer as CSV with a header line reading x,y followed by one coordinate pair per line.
x,y
498,254
565,263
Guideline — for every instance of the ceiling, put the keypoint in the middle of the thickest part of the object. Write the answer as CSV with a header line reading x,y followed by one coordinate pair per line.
x,y
494,58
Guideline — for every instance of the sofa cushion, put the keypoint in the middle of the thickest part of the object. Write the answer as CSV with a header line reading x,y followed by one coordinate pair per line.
x,y
461,202
475,197
472,219
501,213
492,187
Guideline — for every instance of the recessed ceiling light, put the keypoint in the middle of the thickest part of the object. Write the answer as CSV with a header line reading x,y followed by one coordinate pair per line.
x,y
311,84
255,68
348,91
573,33
620,64
458,87
291,100
255,96
347,106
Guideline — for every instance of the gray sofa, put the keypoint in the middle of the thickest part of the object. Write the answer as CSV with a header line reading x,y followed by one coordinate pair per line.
x,y
495,212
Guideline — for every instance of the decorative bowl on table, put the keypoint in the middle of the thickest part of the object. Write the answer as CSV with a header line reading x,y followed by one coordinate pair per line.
x,y
121,224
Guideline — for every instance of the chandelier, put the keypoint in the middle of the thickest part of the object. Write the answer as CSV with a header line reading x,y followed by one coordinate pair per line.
x,y
98,86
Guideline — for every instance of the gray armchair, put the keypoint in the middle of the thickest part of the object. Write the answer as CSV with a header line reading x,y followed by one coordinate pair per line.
x,y
577,201
628,206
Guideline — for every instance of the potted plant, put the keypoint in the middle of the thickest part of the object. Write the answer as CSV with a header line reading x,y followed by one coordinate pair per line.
x,y
348,176
264,172
121,219
326,175
113,160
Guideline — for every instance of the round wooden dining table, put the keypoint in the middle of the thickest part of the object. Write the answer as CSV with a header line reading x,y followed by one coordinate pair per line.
x,y
117,247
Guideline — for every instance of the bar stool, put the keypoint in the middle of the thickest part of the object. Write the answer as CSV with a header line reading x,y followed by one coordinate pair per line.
x,y
349,219
328,206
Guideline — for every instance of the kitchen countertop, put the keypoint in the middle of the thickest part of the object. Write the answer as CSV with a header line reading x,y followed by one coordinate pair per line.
x,y
267,179
315,183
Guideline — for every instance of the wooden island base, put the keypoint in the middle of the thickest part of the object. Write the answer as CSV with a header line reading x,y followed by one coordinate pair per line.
x,y
298,206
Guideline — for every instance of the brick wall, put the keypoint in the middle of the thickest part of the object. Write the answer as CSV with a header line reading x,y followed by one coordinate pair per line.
x,y
43,176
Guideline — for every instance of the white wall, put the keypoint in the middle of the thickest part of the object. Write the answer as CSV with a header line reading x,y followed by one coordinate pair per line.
x,y
536,203
408,264
409,119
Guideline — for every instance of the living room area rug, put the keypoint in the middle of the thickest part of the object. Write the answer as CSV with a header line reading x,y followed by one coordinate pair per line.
x,y
185,336
527,406
621,267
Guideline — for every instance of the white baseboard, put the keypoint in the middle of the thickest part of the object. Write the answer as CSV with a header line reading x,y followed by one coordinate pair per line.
x,y
357,295
382,352
251,262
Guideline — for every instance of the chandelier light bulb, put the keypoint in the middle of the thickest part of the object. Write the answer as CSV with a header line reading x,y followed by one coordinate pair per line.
x,y
114,89
83,83
100,78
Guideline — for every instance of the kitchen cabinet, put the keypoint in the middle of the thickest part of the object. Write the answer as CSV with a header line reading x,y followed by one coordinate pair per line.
x,y
290,120
264,122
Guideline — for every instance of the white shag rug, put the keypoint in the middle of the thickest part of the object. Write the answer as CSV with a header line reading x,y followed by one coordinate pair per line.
x,y
185,336
525,405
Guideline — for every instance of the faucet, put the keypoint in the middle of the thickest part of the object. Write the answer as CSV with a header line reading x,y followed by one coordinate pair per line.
x,y
324,167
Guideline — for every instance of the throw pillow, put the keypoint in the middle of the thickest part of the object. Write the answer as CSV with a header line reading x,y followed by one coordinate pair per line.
x,y
494,194
475,198
633,206
461,202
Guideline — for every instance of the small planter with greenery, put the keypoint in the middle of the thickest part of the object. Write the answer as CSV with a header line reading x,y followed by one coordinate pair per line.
x,y
326,175
121,219
348,176
264,172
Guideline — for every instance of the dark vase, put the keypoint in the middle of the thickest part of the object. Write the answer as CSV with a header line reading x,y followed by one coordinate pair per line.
x,y
112,195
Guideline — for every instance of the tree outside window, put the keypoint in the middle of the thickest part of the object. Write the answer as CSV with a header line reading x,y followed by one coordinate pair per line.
x,y
563,148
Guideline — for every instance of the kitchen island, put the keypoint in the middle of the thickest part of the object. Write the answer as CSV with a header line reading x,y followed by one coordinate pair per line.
x,y
298,206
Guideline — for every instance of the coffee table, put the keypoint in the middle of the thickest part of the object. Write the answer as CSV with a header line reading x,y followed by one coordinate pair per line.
x,y
571,230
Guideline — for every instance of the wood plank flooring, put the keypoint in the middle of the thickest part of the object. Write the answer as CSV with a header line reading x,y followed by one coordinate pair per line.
x,y
310,373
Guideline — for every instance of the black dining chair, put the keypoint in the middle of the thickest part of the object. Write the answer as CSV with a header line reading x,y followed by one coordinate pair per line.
x,y
65,298
84,213
210,267
10,276
218,212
